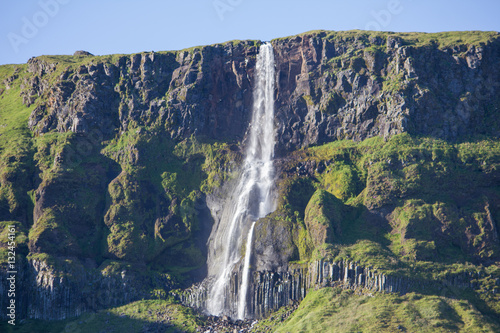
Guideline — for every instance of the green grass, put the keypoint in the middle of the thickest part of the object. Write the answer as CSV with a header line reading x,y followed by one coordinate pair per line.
x,y
449,39
176,174
16,149
439,198
324,310
441,39
420,183
14,132
336,310
18,240
73,62
155,315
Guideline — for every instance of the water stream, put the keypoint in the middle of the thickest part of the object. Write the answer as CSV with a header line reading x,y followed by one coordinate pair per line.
x,y
251,199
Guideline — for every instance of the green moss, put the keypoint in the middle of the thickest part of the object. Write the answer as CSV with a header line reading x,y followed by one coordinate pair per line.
x,y
48,146
180,260
308,99
13,113
73,179
287,222
323,216
295,194
441,40
303,242
248,43
332,103
164,315
419,180
450,38
368,254
16,150
20,237
415,226
341,180
13,239
437,195
167,174
336,310
235,43
51,235
393,84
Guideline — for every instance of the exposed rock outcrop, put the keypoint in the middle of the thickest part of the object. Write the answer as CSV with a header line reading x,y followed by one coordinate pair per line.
x,y
204,91
46,293
356,86
329,86
82,53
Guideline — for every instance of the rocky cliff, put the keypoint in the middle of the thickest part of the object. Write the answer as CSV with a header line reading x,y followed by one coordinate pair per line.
x,y
113,164
335,86
73,288
204,91
331,86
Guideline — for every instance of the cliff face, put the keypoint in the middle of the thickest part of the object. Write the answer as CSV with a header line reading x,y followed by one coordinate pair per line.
x,y
355,86
204,91
330,86
76,288
113,164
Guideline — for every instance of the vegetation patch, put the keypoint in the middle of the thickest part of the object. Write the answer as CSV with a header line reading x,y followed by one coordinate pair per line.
x,y
140,316
336,310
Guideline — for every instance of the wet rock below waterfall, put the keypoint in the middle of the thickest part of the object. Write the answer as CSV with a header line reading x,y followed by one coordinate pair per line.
x,y
215,324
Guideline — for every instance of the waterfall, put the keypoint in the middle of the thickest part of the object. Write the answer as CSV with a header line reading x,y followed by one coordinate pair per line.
x,y
251,199
242,297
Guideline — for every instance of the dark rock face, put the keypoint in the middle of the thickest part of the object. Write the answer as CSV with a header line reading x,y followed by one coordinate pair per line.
x,y
206,91
358,88
48,294
328,88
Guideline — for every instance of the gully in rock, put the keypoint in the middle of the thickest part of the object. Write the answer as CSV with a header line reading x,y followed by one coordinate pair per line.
x,y
251,199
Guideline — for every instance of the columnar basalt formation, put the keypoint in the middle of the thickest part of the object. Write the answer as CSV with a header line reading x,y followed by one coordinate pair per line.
x,y
48,294
271,290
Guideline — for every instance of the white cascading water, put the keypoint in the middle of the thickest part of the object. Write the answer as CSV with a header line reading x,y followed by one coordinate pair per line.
x,y
242,295
251,199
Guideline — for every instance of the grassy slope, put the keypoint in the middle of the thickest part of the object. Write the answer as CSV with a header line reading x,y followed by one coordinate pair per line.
x,y
433,194
15,158
334,310
22,155
324,310
443,39
140,316
424,181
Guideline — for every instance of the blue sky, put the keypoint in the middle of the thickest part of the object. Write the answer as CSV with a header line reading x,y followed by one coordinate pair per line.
x,y
35,27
